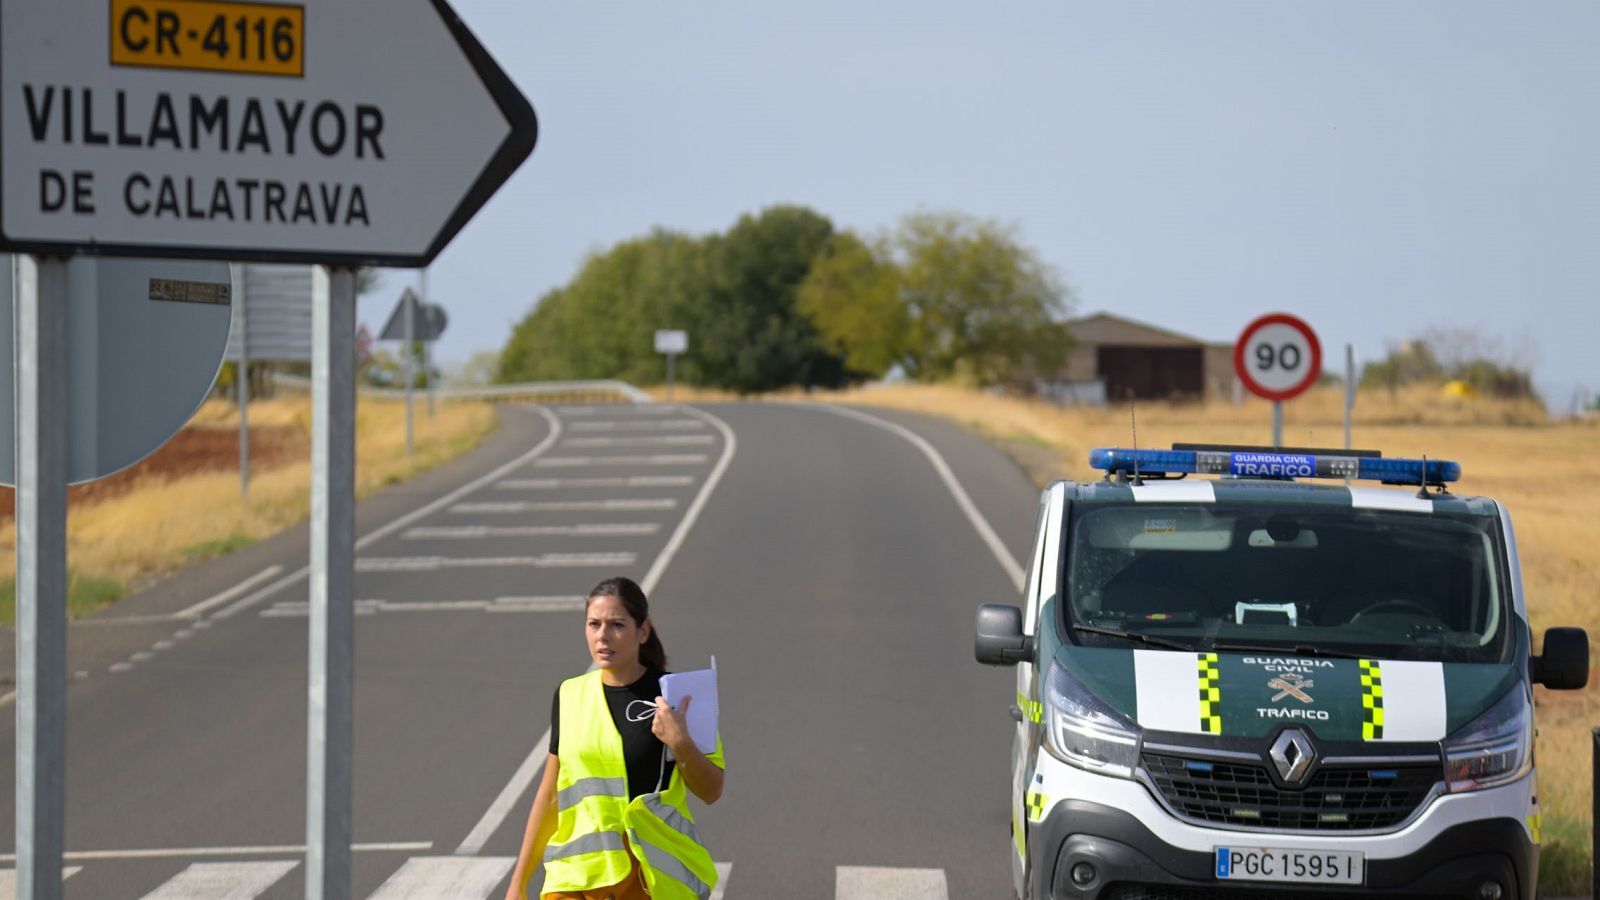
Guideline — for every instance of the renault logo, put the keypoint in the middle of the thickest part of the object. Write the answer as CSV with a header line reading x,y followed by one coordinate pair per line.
x,y
1292,753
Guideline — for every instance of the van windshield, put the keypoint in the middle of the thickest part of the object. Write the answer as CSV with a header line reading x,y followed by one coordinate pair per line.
x,y
1308,579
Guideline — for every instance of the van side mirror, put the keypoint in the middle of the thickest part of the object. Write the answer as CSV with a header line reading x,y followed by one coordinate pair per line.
x,y
1564,665
1000,638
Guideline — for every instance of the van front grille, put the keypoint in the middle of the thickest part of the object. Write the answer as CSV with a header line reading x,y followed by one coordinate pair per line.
x,y
1368,797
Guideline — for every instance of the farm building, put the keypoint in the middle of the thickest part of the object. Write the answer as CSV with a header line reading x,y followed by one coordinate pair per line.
x,y
1114,358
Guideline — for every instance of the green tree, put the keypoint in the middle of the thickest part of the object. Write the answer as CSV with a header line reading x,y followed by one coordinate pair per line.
x,y
852,296
981,306
602,324
748,334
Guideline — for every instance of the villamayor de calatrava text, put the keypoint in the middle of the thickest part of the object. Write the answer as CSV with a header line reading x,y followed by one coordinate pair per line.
x,y
249,128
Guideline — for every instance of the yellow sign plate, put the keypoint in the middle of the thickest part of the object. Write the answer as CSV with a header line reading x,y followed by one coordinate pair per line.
x,y
210,36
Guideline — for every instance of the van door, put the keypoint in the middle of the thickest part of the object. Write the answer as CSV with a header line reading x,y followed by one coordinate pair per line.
x,y
1026,711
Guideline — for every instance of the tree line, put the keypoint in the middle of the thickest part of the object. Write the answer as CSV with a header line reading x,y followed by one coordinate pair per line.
x,y
783,298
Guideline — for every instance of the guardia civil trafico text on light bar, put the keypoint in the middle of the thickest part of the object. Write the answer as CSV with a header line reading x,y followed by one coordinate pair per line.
x,y
1264,462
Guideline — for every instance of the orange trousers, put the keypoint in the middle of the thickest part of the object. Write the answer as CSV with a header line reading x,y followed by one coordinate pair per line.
x,y
630,888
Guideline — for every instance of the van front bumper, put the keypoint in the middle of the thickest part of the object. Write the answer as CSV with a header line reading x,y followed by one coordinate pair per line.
x,y
1130,862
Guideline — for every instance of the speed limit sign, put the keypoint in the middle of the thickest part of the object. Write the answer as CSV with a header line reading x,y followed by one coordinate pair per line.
x,y
1277,357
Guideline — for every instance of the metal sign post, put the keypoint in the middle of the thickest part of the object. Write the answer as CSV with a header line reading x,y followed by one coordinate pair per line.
x,y
414,322
1277,357
1349,390
427,354
242,376
332,605
40,289
407,370
671,342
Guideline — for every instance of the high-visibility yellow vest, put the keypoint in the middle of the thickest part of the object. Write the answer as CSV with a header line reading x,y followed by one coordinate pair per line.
x,y
597,826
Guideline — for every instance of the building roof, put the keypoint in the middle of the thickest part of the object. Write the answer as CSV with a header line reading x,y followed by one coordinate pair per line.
x,y
1106,329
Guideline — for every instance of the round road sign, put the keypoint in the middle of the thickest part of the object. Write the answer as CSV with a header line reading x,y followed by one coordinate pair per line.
x,y
145,341
1277,357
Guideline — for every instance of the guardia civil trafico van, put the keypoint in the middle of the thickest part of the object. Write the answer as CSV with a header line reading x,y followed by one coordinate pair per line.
x,y
1258,686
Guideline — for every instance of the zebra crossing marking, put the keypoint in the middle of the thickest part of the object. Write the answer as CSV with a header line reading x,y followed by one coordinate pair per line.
x,y
431,877
460,877
878,883
723,871
8,879
223,880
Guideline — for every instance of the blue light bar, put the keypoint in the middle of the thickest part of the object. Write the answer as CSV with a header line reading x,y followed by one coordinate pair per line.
x,y
1269,464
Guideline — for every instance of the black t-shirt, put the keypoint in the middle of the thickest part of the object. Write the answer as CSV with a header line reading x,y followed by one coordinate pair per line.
x,y
633,707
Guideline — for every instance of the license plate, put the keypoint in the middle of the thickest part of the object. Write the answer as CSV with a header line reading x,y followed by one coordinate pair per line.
x,y
1269,864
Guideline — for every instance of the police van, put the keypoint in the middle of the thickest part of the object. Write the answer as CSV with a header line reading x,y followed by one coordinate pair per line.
x,y
1261,686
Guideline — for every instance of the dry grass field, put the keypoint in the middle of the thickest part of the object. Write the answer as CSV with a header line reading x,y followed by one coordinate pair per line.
x,y
183,503
1546,472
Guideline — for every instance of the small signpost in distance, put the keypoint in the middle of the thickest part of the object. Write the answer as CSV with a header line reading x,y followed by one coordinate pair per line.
x,y
671,342
1277,357
342,133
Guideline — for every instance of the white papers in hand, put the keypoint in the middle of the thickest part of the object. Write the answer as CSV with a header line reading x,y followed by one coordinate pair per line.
x,y
701,684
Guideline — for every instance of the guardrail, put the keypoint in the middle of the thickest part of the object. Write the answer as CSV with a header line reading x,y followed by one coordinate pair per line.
x,y
602,390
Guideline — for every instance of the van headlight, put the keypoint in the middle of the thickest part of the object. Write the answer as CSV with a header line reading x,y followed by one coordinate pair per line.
x,y
1493,749
1084,730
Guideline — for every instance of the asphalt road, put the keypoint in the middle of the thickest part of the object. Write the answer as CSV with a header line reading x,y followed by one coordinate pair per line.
x,y
822,558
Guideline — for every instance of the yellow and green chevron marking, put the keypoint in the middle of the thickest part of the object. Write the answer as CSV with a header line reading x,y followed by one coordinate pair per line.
x,y
1032,709
1210,695
1371,700
1036,804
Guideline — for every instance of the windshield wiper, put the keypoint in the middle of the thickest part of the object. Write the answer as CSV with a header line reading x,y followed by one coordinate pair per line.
x,y
1294,650
1139,636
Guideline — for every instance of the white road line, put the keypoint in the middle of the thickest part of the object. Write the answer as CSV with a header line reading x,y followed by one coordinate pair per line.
x,y
627,409
290,609
529,769
878,883
985,530
428,878
223,881
8,878
636,481
588,529
723,871
647,425
260,850
652,459
543,561
520,506
200,609
654,440
394,525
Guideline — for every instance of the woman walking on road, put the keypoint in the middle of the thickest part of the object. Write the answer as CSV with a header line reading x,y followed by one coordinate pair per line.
x,y
611,818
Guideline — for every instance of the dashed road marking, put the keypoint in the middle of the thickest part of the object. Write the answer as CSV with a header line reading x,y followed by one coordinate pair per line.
x,y
636,481
223,881
589,529
653,459
647,425
522,506
880,883
655,440
543,561
425,878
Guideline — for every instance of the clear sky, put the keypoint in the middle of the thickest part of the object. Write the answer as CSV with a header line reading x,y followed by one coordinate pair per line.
x,y
1377,168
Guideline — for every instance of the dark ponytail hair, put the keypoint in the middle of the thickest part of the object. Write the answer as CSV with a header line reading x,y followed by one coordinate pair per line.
x,y
651,653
